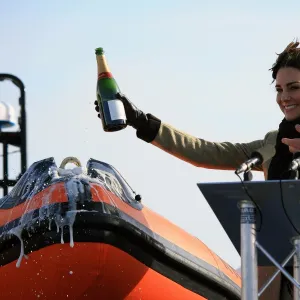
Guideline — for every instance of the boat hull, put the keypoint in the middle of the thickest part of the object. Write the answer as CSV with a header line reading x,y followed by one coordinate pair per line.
x,y
77,238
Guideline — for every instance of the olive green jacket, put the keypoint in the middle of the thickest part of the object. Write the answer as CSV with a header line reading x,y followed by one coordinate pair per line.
x,y
211,155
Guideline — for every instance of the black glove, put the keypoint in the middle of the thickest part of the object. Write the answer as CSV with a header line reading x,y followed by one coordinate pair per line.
x,y
147,125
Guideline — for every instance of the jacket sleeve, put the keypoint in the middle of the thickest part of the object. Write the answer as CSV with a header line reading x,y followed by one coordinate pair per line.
x,y
197,151
203,153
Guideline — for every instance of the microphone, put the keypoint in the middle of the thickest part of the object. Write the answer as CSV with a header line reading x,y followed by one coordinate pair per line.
x,y
295,164
257,157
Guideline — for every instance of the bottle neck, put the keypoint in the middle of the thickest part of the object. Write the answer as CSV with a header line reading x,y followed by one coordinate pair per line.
x,y
102,67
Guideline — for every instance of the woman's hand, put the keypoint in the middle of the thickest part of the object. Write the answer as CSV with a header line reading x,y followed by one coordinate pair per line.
x,y
135,117
293,144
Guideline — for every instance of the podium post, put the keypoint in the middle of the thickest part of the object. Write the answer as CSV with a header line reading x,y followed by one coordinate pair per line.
x,y
279,218
296,268
248,251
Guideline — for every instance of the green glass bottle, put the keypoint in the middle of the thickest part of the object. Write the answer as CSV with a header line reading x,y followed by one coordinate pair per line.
x,y
112,110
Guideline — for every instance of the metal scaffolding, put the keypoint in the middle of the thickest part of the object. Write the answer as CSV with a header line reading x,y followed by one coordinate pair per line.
x,y
16,138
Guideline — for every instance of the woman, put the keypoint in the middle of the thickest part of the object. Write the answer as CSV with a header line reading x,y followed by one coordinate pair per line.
x,y
228,156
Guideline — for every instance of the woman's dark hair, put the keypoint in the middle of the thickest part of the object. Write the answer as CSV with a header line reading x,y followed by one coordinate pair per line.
x,y
290,57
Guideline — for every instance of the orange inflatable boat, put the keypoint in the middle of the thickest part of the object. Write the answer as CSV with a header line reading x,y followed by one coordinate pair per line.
x,y
82,233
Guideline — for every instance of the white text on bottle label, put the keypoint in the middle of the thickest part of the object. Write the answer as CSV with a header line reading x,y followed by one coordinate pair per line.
x,y
116,110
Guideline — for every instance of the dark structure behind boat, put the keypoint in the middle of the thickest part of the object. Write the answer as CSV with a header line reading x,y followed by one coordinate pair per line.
x,y
16,138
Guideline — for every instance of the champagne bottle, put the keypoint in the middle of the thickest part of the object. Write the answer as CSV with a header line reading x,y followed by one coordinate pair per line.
x,y
112,110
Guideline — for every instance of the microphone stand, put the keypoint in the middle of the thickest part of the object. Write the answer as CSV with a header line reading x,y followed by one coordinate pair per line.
x,y
248,176
294,174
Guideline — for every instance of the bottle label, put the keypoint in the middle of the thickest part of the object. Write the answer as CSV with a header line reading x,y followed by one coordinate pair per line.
x,y
116,110
105,75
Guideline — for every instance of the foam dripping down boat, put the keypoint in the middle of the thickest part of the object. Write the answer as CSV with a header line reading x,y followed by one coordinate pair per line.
x,y
82,233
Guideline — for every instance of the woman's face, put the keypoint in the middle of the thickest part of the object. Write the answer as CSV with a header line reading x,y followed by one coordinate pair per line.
x,y
288,92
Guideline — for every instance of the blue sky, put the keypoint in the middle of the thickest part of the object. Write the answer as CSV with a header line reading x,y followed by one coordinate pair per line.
x,y
200,66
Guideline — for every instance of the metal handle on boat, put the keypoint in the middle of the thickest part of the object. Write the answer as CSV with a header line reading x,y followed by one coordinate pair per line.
x,y
70,159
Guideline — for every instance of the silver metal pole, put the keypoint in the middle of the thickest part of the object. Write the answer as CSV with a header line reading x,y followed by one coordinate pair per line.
x,y
248,251
296,242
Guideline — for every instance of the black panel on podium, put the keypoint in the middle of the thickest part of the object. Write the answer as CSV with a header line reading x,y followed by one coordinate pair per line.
x,y
276,230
